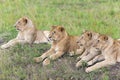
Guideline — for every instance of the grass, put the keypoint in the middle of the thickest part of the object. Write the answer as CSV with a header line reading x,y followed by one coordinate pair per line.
x,y
75,15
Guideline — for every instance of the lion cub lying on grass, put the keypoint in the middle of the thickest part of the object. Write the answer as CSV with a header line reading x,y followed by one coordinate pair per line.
x,y
87,40
62,43
100,50
110,53
27,33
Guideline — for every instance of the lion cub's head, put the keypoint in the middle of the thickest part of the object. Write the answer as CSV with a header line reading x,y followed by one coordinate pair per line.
x,y
23,23
86,37
57,33
103,42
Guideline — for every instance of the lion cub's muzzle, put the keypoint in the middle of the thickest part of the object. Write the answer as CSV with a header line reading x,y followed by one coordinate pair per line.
x,y
98,49
16,27
50,38
78,42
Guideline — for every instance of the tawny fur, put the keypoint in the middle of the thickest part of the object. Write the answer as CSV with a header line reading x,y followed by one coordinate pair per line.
x,y
62,43
27,33
87,40
110,50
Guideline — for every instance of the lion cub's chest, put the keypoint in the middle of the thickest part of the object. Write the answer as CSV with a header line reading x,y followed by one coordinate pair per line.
x,y
60,47
56,48
22,35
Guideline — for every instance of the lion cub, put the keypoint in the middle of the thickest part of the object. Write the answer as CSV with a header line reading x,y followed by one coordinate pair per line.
x,y
62,43
27,33
87,39
110,53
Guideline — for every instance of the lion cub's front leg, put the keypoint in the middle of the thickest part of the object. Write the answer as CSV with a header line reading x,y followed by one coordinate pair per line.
x,y
56,55
52,57
77,52
96,59
44,55
100,65
81,56
10,43
13,42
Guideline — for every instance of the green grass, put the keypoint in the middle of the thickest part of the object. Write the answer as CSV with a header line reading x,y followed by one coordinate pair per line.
x,y
75,15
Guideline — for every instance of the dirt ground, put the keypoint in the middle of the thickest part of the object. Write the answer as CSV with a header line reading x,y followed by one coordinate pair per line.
x,y
66,66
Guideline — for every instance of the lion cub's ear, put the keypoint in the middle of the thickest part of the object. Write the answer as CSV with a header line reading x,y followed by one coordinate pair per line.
x,y
89,35
25,19
84,30
53,27
105,38
61,28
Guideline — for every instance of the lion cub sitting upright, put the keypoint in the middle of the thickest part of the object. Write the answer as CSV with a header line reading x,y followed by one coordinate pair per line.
x,y
27,33
62,43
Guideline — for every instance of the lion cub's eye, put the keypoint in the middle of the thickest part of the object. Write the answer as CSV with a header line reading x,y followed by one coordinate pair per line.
x,y
54,32
82,37
98,40
18,22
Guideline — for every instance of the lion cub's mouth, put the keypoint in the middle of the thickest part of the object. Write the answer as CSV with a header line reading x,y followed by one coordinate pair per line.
x,y
17,29
81,44
98,49
51,39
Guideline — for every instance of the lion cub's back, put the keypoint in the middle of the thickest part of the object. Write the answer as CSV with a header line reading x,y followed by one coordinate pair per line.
x,y
73,43
41,37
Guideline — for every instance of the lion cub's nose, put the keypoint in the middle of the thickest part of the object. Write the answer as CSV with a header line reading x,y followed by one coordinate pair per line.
x,y
14,25
49,37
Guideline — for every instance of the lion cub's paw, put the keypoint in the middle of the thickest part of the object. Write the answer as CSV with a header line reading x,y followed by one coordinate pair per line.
x,y
89,63
88,70
38,59
46,62
78,64
78,58
52,57
3,47
72,53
